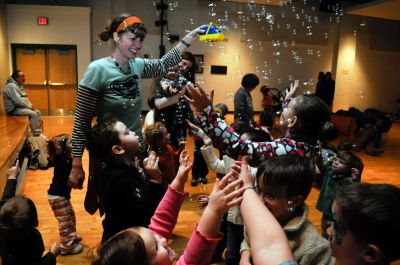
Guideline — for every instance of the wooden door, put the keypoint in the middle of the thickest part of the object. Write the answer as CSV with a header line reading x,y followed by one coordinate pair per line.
x,y
62,81
51,81
32,61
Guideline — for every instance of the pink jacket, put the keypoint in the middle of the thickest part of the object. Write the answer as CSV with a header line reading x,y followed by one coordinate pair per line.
x,y
199,249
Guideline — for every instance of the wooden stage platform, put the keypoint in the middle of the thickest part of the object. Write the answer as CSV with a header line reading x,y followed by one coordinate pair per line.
x,y
13,132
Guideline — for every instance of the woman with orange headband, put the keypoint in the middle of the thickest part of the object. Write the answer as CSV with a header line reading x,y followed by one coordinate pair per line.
x,y
110,87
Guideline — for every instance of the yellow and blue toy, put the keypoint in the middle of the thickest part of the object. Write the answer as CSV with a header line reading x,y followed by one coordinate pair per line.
x,y
212,33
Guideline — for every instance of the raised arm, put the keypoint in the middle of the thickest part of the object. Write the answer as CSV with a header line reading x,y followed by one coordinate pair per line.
x,y
164,219
205,237
268,241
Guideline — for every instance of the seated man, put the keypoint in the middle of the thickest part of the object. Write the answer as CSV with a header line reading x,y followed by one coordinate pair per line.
x,y
16,101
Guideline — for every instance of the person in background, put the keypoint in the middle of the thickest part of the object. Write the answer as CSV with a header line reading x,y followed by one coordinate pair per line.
x,y
20,241
243,102
16,102
330,89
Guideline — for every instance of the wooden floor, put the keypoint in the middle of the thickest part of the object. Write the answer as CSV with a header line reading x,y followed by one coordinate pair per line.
x,y
384,169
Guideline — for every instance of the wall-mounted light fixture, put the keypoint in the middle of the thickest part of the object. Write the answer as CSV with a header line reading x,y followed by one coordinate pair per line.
x,y
239,8
363,22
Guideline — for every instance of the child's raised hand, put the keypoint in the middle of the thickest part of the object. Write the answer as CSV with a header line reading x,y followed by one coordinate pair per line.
x,y
151,169
225,194
183,171
55,249
244,169
198,98
202,201
13,172
290,92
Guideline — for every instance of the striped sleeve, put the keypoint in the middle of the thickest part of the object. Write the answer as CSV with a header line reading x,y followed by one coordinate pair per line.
x,y
86,102
159,67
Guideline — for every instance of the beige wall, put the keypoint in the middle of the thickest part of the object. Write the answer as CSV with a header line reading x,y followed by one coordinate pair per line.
x,y
67,25
4,55
365,77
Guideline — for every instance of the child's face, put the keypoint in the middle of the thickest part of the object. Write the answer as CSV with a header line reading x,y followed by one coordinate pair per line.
x,y
158,251
129,140
172,74
340,166
276,200
345,247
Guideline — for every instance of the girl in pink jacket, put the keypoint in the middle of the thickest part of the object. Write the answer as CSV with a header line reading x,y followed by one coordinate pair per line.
x,y
139,245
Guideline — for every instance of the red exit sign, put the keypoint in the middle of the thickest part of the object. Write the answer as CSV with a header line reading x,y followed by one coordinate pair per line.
x,y
43,20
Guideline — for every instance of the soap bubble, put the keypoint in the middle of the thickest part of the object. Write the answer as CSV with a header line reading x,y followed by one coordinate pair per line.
x,y
230,95
236,57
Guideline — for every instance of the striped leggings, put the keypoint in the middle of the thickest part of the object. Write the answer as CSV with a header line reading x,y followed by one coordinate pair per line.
x,y
65,215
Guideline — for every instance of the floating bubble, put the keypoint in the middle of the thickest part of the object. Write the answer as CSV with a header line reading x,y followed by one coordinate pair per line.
x,y
279,81
325,35
236,57
355,33
318,53
191,21
310,52
250,45
290,77
230,95
309,31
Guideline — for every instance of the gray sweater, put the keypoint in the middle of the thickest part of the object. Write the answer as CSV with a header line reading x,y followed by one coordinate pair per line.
x,y
15,97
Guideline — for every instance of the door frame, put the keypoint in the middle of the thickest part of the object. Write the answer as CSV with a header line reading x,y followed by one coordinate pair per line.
x,y
15,46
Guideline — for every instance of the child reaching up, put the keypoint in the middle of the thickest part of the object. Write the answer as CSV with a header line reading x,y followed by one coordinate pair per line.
x,y
59,194
157,138
20,241
339,173
283,184
130,195
139,245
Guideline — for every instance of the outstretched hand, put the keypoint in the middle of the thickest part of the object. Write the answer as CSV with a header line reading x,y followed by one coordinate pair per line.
x,y
151,169
183,172
225,194
293,87
13,172
244,171
198,97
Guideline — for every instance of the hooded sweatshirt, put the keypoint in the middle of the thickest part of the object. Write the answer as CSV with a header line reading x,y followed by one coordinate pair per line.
x,y
15,97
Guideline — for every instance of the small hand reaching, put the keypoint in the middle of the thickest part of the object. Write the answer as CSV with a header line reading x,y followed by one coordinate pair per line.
x,y
13,172
225,194
55,249
202,201
183,171
293,87
198,98
151,167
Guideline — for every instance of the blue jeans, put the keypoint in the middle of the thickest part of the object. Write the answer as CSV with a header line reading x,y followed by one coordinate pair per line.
x,y
234,238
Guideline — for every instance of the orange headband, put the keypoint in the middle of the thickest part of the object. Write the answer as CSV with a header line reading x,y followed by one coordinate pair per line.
x,y
127,22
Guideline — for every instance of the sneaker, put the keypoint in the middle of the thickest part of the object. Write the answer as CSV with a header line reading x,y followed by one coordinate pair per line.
x,y
203,180
194,182
70,251
78,238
